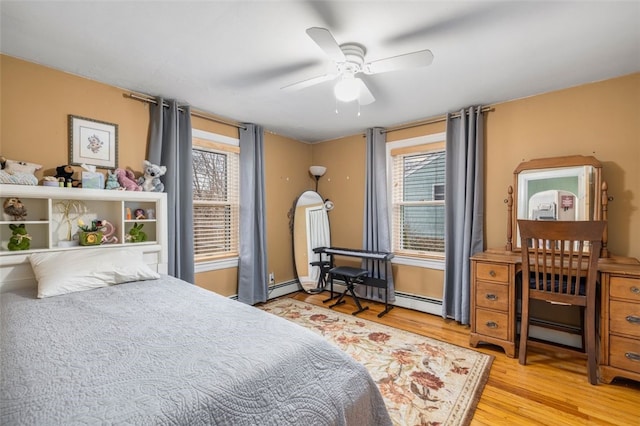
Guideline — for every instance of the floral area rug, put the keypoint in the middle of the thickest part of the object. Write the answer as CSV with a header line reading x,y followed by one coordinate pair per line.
x,y
423,381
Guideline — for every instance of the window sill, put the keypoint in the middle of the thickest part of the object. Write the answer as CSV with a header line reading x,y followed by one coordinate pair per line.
x,y
419,262
214,265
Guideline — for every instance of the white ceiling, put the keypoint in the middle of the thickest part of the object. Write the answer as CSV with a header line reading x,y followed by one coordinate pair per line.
x,y
231,58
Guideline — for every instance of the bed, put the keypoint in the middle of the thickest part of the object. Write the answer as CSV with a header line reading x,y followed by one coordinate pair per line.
x,y
162,351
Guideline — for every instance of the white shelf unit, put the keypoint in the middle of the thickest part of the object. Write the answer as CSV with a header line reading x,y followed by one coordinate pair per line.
x,y
48,228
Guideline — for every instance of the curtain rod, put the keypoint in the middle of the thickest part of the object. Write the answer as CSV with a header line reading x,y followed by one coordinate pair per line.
x,y
194,112
431,120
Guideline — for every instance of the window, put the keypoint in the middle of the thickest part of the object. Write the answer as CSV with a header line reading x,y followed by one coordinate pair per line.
x,y
438,192
215,196
417,184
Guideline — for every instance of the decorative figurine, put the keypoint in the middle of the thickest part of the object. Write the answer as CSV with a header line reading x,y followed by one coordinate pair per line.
x,y
20,239
136,235
14,208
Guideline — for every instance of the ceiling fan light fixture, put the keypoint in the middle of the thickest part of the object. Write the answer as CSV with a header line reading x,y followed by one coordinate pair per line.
x,y
347,89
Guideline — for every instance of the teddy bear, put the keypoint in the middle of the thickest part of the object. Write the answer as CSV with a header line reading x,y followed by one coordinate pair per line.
x,y
20,239
64,174
150,181
127,180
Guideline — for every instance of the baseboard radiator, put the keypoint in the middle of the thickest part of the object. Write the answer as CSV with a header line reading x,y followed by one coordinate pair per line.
x,y
405,300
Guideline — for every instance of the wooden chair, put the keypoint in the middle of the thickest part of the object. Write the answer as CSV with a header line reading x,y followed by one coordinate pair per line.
x,y
560,266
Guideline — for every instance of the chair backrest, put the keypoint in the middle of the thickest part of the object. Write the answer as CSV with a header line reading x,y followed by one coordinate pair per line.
x,y
560,259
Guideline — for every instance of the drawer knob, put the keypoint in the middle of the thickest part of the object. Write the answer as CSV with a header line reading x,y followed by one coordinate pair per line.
x,y
635,290
633,319
491,324
492,273
491,296
632,356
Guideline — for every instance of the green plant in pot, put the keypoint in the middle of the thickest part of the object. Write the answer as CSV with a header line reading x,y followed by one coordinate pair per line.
x,y
89,235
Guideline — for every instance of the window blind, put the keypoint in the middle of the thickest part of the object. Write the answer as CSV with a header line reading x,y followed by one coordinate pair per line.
x,y
215,202
418,201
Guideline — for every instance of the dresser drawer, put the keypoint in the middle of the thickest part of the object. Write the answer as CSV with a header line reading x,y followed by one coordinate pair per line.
x,y
492,296
624,318
494,324
492,272
624,353
625,288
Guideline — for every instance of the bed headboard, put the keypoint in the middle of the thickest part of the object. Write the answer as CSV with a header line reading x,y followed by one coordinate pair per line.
x,y
52,216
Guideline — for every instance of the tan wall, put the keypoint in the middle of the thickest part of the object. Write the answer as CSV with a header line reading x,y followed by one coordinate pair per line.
x,y
600,119
36,102
222,281
287,165
343,183
34,106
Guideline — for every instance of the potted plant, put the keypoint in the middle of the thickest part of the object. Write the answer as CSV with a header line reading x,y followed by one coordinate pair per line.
x,y
89,235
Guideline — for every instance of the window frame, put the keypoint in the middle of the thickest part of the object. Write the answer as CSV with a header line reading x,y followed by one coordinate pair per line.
x,y
430,260
437,195
215,138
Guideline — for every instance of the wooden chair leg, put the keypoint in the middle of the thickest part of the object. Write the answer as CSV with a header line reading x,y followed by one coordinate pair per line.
x,y
591,347
524,326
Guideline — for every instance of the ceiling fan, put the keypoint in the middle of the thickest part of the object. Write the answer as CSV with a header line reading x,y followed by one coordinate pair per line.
x,y
347,61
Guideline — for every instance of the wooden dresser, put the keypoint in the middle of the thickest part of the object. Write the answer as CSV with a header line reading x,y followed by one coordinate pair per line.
x,y
494,315
620,321
493,299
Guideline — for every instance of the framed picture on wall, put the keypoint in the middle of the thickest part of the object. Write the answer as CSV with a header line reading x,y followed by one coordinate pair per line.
x,y
93,142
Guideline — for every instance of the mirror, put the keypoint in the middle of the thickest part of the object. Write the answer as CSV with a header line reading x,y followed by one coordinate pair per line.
x,y
310,231
559,188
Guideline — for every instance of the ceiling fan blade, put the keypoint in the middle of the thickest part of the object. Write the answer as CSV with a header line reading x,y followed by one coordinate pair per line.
x,y
325,40
308,82
366,97
421,58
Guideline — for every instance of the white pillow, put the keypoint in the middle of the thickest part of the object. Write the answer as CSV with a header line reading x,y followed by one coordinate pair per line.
x,y
69,271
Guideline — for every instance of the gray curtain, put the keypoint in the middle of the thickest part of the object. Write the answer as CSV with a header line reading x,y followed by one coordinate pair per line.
x,y
464,208
252,270
376,230
170,146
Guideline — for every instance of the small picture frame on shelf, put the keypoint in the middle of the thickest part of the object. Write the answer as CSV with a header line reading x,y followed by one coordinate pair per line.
x,y
93,142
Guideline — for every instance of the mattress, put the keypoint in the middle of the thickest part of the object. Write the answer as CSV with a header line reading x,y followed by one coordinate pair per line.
x,y
165,352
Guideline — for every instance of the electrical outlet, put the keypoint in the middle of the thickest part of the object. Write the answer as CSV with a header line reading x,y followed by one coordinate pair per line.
x,y
272,278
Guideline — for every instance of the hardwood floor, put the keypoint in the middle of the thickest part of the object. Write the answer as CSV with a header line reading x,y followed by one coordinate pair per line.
x,y
549,390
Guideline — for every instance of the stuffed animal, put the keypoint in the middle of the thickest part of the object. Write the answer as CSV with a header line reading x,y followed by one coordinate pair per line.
x,y
150,181
127,180
108,232
136,235
18,172
112,181
65,173
13,167
20,239
14,208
